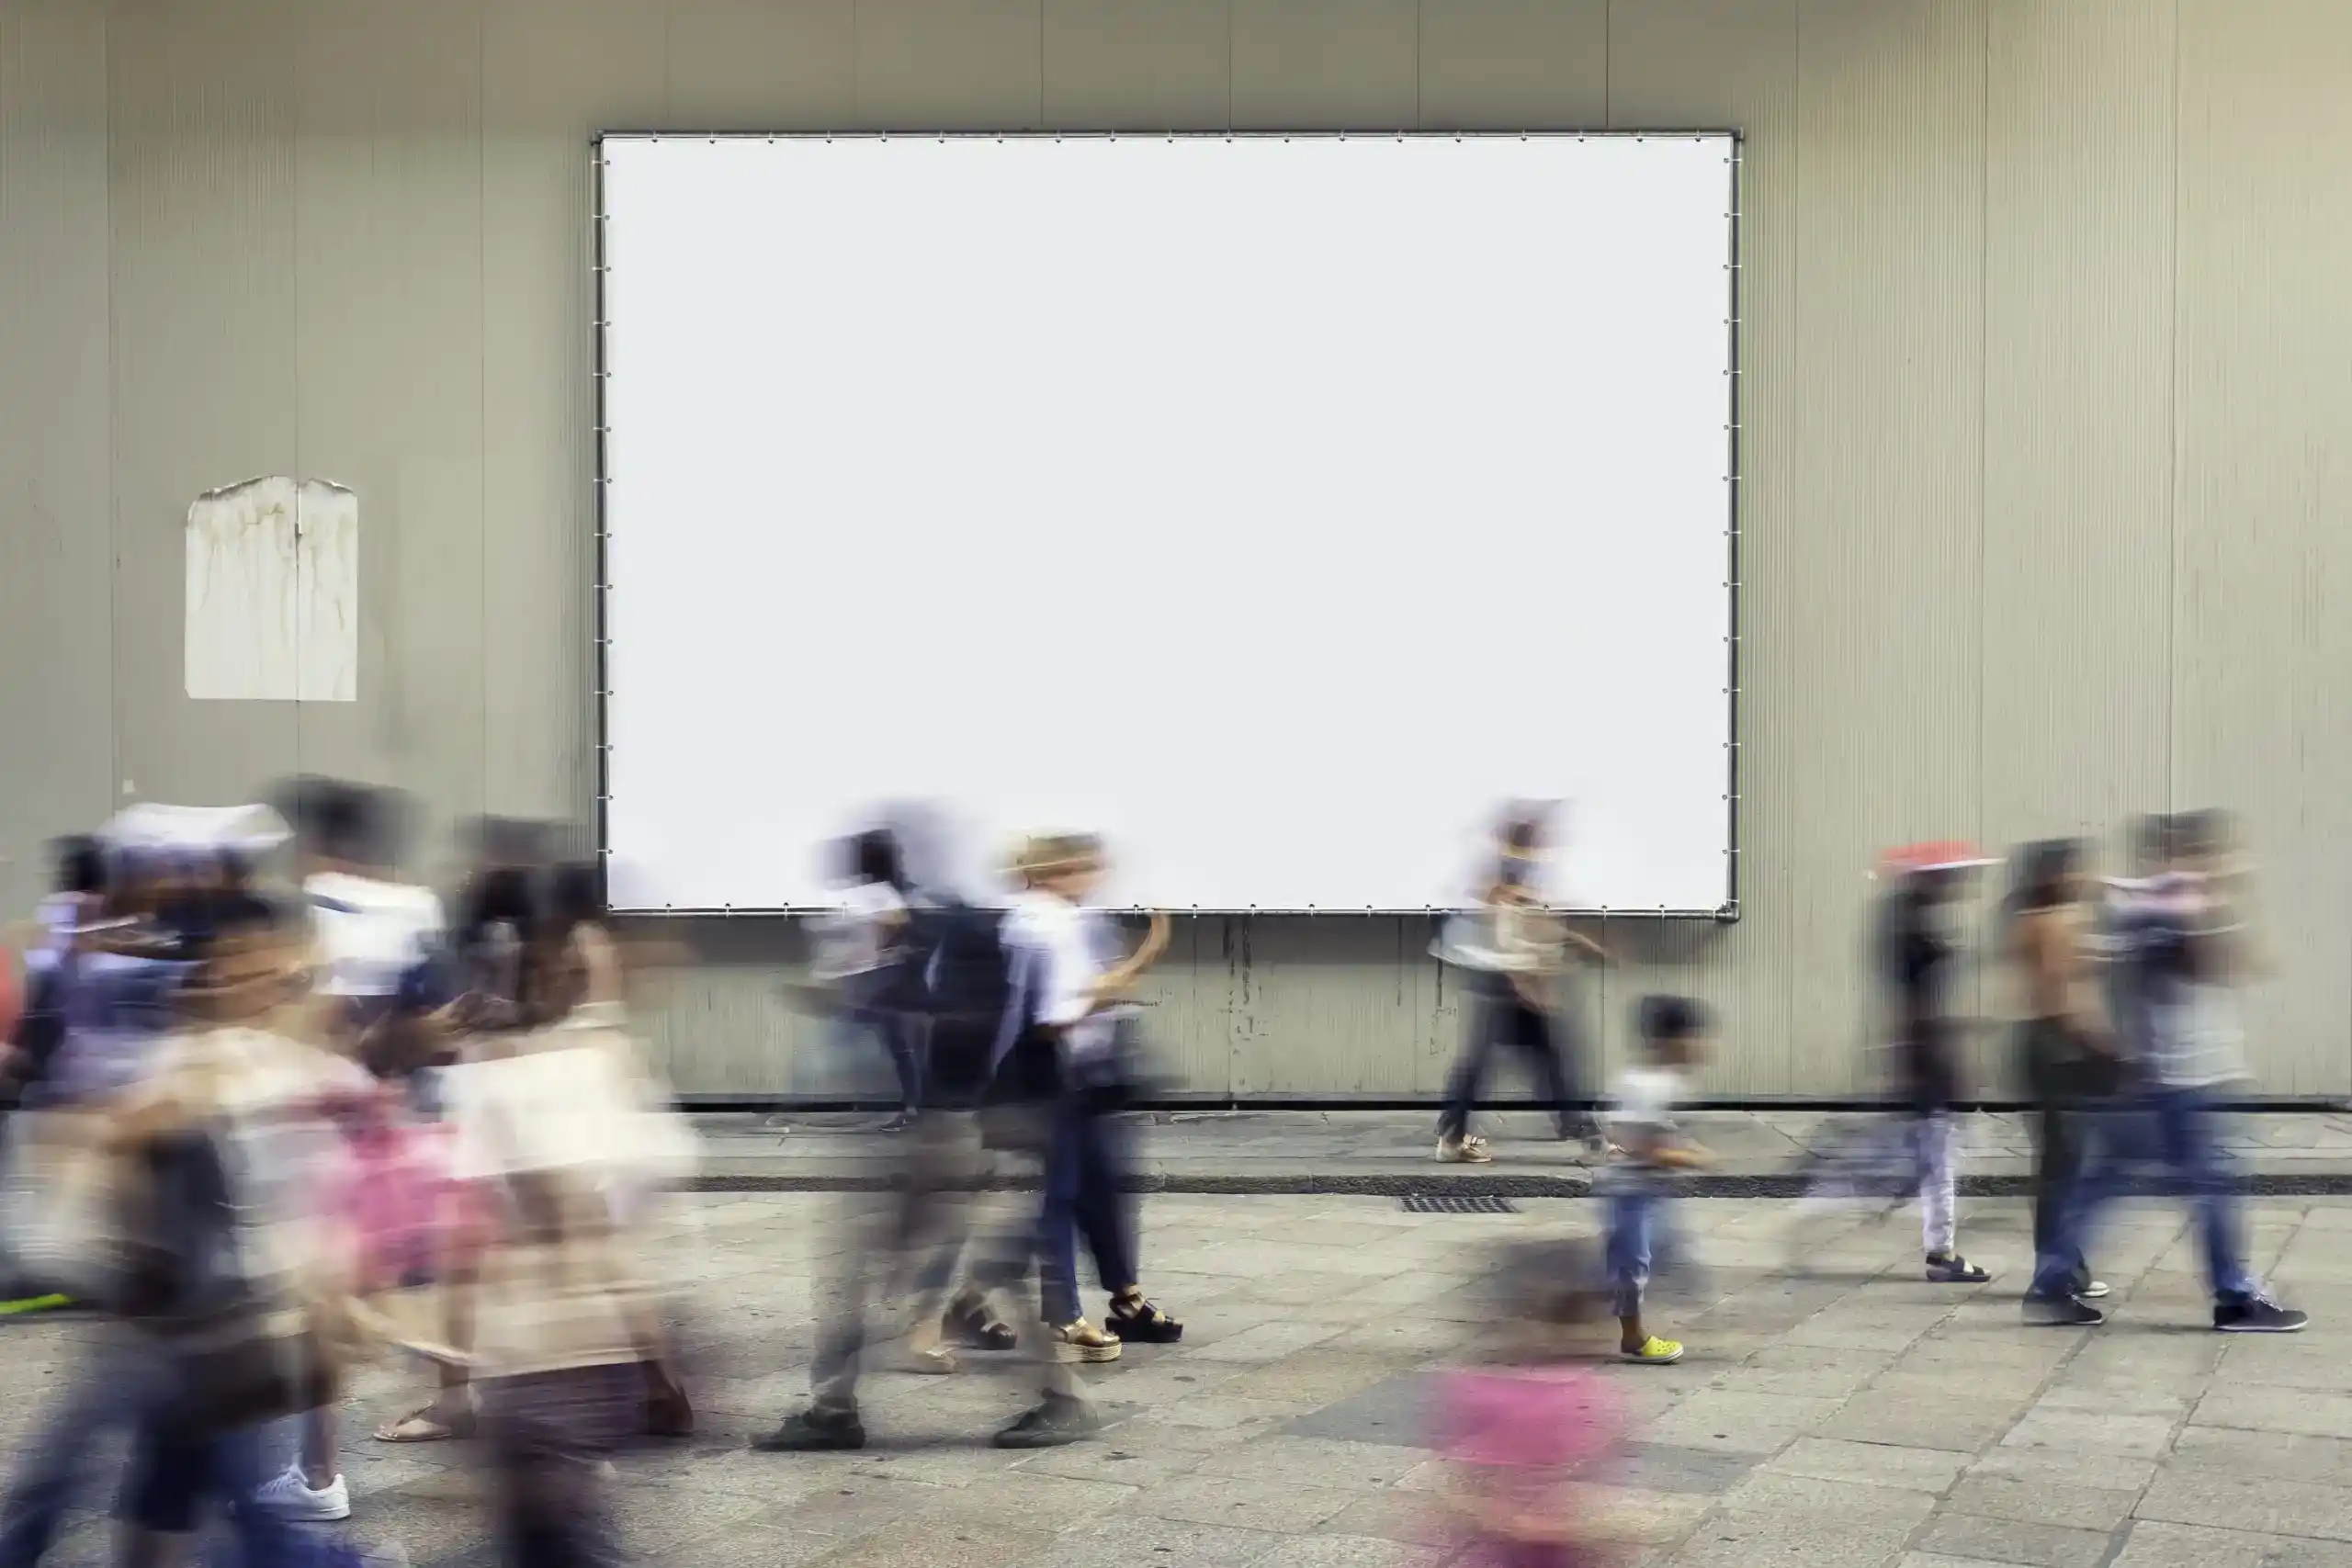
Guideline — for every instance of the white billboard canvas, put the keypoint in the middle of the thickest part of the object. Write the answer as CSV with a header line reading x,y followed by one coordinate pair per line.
x,y
1273,505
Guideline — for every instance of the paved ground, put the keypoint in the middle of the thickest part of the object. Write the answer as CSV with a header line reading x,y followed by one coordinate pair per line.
x,y
1389,1151
1851,1418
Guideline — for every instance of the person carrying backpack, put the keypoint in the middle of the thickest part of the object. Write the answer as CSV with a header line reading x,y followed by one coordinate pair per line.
x,y
231,1286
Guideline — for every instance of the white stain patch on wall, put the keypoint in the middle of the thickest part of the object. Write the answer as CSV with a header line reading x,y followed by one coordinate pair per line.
x,y
273,594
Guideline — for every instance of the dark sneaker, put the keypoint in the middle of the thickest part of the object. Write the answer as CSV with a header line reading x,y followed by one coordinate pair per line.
x,y
2062,1311
1955,1270
814,1431
1139,1321
1060,1419
2258,1314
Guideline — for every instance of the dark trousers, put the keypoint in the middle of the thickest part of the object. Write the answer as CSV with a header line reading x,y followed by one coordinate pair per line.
x,y
905,1243
175,1473
52,1468
853,1024
1503,1019
2058,1163
548,1434
2066,1080
1086,1172
172,1476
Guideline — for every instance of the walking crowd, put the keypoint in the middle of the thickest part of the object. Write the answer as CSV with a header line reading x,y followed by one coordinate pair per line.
x,y
270,1126
271,1129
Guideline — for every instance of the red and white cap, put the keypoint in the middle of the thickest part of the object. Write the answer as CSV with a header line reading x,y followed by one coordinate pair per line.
x,y
1945,854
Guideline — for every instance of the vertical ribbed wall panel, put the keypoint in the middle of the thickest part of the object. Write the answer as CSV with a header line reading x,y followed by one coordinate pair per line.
x,y
949,66
553,73
1139,64
757,66
1888,425
2262,555
2077,424
2045,372
389,310
1734,63
56,487
1325,65
1513,64
202,104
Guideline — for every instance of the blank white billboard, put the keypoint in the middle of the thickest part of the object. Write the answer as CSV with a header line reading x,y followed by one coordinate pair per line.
x,y
1275,506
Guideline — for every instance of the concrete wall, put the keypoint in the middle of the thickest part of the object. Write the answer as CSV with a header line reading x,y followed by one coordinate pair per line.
x,y
2048,371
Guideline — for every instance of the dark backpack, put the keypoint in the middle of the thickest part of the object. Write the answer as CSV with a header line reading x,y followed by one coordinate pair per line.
x,y
960,977
953,977
954,966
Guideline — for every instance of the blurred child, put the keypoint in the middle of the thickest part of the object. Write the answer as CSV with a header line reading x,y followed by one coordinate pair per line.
x,y
1673,1040
1519,1432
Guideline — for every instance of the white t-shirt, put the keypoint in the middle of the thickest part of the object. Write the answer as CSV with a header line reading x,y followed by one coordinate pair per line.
x,y
1646,1100
2209,1041
1059,947
852,938
369,932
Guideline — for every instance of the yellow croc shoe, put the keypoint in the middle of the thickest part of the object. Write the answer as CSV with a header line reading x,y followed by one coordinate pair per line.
x,y
1655,1352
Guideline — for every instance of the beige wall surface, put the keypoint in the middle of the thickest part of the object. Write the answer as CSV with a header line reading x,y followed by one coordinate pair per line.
x,y
2048,377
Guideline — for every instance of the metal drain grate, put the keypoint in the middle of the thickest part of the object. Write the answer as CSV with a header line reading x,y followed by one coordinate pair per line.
x,y
1447,1203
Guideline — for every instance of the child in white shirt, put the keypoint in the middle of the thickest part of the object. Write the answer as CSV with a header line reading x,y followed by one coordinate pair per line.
x,y
1674,1035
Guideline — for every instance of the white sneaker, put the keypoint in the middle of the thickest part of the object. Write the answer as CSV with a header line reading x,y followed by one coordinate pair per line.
x,y
291,1497
1463,1151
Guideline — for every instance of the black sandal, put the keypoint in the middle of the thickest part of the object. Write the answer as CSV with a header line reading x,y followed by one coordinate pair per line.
x,y
974,1327
1140,1322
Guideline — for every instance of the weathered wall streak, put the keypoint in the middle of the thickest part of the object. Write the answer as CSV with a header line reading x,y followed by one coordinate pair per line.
x,y
272,611
2045,404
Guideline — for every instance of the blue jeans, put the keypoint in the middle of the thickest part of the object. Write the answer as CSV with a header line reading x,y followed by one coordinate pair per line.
x,y
2176,1131
52,1469
1641,1239
172,1474
1085,1193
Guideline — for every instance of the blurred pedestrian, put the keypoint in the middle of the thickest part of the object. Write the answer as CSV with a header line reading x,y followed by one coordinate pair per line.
x,y
2067,1055
996,1077
549,1123
1514,952
1082,978
234,1284
2173,933
1919,952
859,959
1525,1437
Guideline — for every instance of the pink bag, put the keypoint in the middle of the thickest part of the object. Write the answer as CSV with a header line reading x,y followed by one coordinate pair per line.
x,y
1527,1430
394,1195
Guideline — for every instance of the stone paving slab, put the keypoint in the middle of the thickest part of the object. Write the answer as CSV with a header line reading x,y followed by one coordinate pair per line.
x,y
1859,1417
